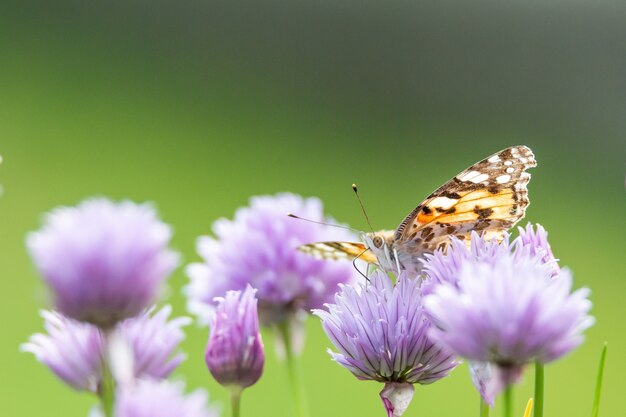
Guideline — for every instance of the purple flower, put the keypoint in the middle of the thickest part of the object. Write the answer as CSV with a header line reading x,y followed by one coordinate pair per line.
x,y
507,312
446,266
536,242
103,261
381,334
258,248
75,350
234,354
161,399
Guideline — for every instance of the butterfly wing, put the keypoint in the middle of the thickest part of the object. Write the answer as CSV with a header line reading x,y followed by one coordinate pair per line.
x,y
488,197
339,250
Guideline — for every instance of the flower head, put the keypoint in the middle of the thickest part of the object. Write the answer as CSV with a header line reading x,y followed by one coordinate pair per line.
x,y
104,261
74,350
150,398
446,266
508,312
258,248
234,354
535,241
381,334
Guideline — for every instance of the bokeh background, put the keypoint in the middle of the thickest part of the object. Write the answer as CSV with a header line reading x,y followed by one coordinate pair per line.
x,y
197,105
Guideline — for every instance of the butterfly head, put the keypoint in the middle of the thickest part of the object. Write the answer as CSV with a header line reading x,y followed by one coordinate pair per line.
x,y
380,244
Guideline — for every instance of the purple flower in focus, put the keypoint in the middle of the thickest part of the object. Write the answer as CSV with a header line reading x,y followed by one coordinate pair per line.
x,y
104,261
381,334
234,353
150,398
258,248
507,312
74,350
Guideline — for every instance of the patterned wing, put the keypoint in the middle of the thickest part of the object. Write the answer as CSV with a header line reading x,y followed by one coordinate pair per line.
x,y
488,197
339,250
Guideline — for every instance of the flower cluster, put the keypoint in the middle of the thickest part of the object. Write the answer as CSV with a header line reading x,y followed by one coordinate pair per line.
x,y
105,263
499,304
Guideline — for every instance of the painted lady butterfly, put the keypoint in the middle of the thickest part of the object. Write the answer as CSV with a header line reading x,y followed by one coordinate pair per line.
x,y
489,197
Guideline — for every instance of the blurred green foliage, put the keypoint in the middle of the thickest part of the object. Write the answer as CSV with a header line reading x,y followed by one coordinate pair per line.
x,y
197,105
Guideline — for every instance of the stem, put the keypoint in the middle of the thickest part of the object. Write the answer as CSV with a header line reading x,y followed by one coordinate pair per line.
x,y
484,408
596,399
508,401
106,389
539,374
235,400
293,371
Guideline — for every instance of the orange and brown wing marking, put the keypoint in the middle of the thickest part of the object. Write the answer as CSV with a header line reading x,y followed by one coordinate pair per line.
x,y
489,197
339,250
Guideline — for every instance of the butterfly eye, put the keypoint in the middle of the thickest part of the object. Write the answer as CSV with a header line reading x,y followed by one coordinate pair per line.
x,y
378,241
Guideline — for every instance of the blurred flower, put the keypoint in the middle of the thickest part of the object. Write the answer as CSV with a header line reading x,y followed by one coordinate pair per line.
x,y
508,312
258,248
75,350
150,398
153,341
531,246
234,353
103,261
381,333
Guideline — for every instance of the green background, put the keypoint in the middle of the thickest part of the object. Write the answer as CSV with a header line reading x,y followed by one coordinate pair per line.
x,y
197,105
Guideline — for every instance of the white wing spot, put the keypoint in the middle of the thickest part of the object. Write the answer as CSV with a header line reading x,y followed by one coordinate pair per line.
x,y
443,202
507,163
503,179
480,178
469,175
494,158
510,169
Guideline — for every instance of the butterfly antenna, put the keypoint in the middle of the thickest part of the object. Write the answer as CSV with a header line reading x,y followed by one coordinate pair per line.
x,y
358,197
293,216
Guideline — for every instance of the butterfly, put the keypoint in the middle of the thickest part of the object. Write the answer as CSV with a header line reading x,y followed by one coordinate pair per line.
x,y
489,197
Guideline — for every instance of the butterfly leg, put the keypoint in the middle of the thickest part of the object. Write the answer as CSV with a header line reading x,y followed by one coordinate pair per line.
x,y
358,270
395,254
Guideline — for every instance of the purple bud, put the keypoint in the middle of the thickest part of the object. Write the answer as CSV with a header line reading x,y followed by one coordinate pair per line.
x,y
103,261
234,354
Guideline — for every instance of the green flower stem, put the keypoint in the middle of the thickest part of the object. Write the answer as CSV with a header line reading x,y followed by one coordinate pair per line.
x,y
293,370
596,399
106,390
235,400
508,401
539,375
484,408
